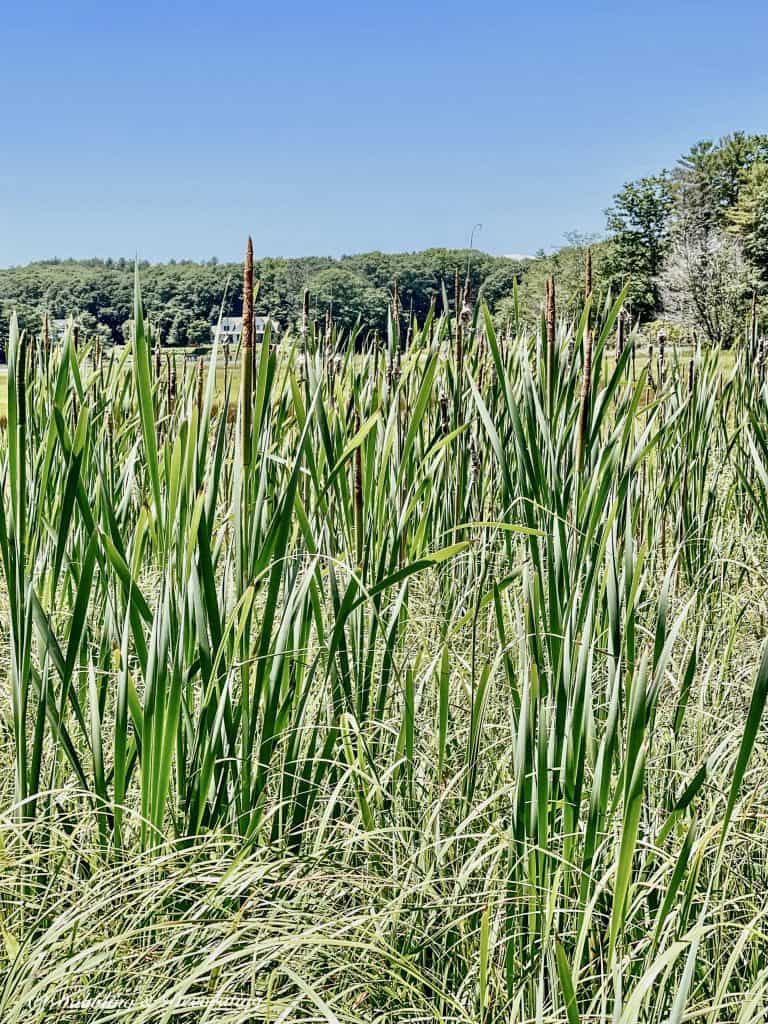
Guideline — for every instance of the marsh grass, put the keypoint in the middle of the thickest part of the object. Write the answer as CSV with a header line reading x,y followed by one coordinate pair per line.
x,y
424,686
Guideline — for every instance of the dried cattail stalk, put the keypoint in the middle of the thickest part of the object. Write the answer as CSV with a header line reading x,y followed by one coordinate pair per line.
x,y
753,333
586,379
551,319
456,309
305,317
358,495
588,276
662,341
110,435
246,376
247,335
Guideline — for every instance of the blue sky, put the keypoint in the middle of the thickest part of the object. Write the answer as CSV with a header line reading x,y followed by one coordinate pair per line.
x,y
175,129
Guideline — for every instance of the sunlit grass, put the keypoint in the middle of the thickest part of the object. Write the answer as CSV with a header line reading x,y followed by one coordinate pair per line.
x,y
416,684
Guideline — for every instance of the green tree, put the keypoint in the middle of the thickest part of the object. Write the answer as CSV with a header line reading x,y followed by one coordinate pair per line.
x,y
708,179
566,265
500,283
348,297
639,223
748,219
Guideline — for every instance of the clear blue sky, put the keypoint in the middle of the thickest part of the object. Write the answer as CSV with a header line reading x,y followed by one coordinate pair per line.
x,y
174,129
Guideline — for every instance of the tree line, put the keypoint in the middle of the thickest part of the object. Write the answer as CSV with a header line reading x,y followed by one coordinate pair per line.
x,y
184,299
691,243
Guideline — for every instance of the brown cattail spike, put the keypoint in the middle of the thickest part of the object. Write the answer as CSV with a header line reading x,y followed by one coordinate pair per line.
x,y
246,375
358,495
551,319
586,379
456,309
247,336
305,315
588,275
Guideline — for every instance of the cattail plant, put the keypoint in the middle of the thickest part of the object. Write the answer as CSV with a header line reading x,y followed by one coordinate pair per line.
x,y
551,322
305,318
430,670
457,315
358,496
586,373
753,326
246,359
46,343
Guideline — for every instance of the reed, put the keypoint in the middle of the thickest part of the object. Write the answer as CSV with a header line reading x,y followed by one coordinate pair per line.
x,y
586,372
246,359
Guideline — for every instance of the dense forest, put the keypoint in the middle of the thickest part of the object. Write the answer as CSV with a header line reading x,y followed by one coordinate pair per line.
x,y
184,299
692,243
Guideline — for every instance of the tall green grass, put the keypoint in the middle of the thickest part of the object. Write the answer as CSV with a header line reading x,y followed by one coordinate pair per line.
x,y
416,681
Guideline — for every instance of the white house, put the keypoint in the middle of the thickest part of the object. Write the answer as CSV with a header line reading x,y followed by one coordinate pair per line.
x,y
231,329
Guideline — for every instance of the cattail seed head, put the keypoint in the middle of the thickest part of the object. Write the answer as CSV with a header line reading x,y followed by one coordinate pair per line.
x,y
305,315
246,372
551,321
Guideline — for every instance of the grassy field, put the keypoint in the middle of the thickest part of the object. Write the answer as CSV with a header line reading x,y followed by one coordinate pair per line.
x,y
424,686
